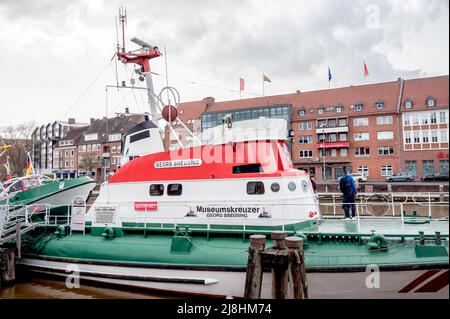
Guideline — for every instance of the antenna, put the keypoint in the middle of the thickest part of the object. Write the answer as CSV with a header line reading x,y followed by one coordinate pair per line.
x,y
123,20
118,50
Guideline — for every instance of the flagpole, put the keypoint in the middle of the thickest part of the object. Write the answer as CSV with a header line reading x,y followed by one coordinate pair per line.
x,y
263,87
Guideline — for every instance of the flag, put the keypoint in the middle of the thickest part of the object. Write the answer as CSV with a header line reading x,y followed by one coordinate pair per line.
x,y
329,75
266,78
241,84
366,71
29,165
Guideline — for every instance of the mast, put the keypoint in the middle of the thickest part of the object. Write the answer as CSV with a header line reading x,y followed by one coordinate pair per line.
x,y
146,53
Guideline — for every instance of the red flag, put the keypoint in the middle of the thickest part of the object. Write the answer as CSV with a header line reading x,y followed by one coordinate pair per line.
x,y
266,78
241,84
366,71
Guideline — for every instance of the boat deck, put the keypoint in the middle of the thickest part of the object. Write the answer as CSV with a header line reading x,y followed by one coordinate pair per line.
x,y
392,227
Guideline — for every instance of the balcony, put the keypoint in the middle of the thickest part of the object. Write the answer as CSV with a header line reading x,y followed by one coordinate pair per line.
x,y
333,145
334,129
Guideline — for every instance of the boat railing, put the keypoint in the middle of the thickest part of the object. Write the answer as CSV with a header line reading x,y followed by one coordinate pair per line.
x,y
402,214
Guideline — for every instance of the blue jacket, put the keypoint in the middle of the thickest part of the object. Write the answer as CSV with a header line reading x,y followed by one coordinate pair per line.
x,y
351,182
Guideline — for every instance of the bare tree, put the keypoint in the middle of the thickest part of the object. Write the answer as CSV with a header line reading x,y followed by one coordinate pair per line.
x,y
19,137
88,162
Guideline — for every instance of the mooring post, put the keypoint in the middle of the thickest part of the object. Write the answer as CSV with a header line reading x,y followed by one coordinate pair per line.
x,y
279,270
7,267
18,239
253,279
297,267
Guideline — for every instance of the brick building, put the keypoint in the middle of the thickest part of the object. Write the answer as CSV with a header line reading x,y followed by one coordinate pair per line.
x,y
361,128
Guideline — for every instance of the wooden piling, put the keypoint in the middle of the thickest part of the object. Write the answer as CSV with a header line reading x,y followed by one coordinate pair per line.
x,y
253,279
279,269
7,267
297,271
18,240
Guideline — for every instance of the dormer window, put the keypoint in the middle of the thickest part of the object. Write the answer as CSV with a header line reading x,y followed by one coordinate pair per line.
x,y
339,108
302,112
330,108
431,101
359,107
320,110
311,110
379,105
408,104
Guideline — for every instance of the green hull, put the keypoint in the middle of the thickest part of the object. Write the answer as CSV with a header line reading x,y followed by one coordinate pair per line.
x,y
328,247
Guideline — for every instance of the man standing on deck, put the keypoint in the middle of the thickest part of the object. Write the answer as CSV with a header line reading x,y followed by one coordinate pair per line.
x,y
348,189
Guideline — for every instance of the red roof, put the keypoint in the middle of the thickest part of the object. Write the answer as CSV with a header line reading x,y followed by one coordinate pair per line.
x,y
418,90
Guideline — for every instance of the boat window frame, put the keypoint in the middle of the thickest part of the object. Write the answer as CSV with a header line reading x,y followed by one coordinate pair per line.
x,y
255,191
171,193
161,189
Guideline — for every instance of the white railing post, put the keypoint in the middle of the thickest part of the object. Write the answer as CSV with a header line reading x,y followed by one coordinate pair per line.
x,y
334,205
393,204
429,205
402,218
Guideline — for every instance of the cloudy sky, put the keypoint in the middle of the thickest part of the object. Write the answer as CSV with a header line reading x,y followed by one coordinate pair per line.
x,y
55,55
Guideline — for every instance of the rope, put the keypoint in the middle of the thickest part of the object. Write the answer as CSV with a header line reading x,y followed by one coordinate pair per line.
x,y
87,89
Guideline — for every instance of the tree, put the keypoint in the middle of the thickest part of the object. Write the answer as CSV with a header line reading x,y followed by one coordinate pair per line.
x,y
19,137
88,162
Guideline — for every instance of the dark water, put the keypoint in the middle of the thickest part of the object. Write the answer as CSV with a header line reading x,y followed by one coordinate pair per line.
x,y
31,287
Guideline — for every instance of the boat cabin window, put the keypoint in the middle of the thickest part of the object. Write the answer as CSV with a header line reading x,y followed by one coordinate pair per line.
x,y
255,188
174,189
248,168
156,189
139,136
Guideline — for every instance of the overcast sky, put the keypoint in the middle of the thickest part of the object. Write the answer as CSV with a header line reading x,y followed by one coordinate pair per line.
x,y
52,51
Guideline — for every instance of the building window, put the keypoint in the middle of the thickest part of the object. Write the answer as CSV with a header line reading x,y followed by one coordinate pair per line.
x,y
331,123
66,153
361,121
411,168
425,138
332,137
343,137
433,118
304,126
89,148
330,108
427,167
321,123
386,170
174,189
424,120
91,137
385,135
113,149
311,110
416,137
442,117
67,163
320,110
434,137
302,112
379,105
408,104
71,163
156,189
385,150
362,151
305,154
364,169
359,107
361,136
333,152
114,137
406,119
71,153
255,188
307,139
339,108
431,102
384,120
415,119
444,136
443,166
343,152
342,122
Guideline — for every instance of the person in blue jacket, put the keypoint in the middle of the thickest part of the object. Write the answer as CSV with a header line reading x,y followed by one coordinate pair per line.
x,y
349,190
